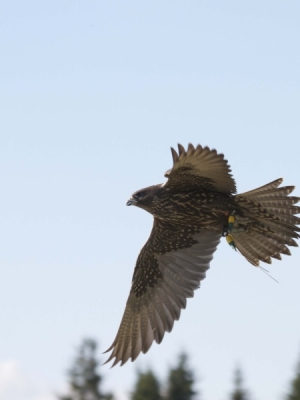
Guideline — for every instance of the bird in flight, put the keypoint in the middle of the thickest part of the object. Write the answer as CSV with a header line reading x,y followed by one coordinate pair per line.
x,y
192,210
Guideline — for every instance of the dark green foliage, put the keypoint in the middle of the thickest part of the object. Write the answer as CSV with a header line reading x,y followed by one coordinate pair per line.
x,y
180,381
295,386
238,393
147,387
84,380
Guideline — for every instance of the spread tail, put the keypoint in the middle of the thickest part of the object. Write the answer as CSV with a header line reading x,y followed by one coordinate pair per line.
x,y
265,222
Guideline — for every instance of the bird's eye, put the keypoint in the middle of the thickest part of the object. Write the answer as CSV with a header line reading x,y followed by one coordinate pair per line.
x,y
139,195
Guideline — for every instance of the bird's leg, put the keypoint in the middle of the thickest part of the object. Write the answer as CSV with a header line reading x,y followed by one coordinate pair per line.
x,y
240,224
227,229
234,226
230,224
230,241
237,224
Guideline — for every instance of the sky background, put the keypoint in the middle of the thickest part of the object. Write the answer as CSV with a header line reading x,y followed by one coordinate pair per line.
x,y
92,96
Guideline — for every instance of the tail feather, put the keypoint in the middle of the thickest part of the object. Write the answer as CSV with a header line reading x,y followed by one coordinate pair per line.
x,y
272,222
282,209
269,201
280,239
243,245
269,245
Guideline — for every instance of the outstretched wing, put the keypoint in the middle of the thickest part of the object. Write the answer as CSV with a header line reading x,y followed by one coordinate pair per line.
x,y
168,270
200,166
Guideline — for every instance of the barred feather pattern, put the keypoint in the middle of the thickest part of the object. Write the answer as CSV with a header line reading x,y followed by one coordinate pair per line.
x,y
148,316
200,162
272,222
191,212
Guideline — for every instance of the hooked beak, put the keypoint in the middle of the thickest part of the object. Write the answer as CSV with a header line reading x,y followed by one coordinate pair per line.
x,y
131,202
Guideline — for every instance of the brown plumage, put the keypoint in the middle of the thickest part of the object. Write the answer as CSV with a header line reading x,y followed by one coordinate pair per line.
x,y
191,213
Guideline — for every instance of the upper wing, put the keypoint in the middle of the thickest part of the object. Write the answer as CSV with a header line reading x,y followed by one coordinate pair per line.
x,y
163,279
200,166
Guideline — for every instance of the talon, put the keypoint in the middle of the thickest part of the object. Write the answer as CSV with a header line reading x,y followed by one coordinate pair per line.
x,y
225,230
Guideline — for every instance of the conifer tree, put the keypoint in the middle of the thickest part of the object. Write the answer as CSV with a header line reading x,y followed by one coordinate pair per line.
x,y
84,380
147,387
238,393
181,381
295,385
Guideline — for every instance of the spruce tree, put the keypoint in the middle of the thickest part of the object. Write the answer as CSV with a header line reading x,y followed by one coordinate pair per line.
x,y
238,393
84,380
181,381
147,387
295,386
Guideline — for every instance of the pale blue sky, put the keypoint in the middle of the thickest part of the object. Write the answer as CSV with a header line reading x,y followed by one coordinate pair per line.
x,y
92,96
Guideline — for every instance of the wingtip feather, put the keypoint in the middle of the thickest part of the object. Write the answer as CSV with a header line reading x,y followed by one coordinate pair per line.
x,y
174,155
181,150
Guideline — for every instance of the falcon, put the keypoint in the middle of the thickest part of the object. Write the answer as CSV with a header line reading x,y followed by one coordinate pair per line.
x,y
192,210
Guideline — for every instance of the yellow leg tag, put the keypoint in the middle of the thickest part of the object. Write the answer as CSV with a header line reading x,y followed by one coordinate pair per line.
x,y
230,241
230,222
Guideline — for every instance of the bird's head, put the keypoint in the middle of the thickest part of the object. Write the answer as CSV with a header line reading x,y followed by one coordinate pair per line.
x,y
143,198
